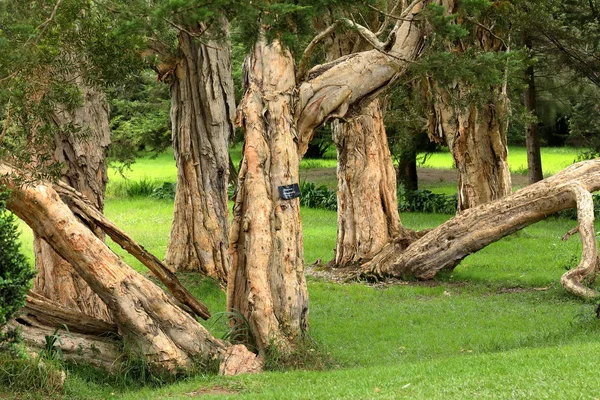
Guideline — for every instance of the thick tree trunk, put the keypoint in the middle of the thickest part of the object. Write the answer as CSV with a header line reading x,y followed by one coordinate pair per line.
x,y
476,137
532,137
445,246
150,323
367,205
266,283
84,156
202,111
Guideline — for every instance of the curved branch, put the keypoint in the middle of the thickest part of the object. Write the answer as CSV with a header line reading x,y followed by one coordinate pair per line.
x,y
573,279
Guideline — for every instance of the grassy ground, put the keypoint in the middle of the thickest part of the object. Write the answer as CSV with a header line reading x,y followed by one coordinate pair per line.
x,y
499,326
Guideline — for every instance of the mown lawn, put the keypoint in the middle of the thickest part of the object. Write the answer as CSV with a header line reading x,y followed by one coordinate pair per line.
x,y
499,326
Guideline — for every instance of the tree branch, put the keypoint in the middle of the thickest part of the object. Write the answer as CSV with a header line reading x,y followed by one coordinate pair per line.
x,y
303,64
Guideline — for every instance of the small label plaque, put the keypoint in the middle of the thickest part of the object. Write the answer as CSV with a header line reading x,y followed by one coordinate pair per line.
x,y
288,192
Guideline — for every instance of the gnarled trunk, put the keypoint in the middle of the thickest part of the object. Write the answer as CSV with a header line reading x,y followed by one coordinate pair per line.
x,y
476,137
202,111
367,205
149,321
266,282
84,156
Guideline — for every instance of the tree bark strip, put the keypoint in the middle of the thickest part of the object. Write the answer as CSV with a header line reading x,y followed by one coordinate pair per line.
x,y
202,111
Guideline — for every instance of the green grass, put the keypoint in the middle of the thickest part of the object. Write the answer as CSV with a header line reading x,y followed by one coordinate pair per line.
x,y
498,326
554,159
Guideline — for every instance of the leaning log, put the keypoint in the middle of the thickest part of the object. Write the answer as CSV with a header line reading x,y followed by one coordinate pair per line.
x,y
473,229
149,322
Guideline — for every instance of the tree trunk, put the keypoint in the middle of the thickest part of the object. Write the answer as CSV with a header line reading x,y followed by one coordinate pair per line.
x,y
84,156
532,138
476,137
367,205
266,282
202,112
150,323
406,174
445,246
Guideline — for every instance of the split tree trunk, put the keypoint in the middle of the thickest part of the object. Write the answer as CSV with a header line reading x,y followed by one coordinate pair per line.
x,y
367,205
266,283
150,323
84,156
470,231
532,137
476,137
202,112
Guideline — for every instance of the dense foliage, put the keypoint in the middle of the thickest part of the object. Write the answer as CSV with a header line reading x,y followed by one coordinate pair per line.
x,y
15,271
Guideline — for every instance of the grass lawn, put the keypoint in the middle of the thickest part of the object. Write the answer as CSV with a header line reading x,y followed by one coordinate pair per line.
x,y
499,326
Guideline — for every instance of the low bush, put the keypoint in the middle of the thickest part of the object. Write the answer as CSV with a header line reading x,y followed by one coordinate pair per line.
x,y
15,271
314,196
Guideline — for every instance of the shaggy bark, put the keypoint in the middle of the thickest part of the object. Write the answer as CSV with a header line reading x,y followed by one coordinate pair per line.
x,y
202,109
148,320
476,137
367,211
367,205
266,281
84,156
445,246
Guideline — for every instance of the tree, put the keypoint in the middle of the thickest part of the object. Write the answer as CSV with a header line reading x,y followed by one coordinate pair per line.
x,y
365,172
469,105
202,111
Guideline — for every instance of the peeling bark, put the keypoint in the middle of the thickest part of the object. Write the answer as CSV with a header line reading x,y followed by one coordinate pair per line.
x,y
471,230
150,323
266,282
367,205
476,137
202,110
84,156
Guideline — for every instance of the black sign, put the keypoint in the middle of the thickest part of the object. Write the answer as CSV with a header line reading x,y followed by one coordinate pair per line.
x,y
289,192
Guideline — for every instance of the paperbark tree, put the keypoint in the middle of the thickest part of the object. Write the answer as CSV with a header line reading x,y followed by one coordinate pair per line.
x,y
202,111
476,137
474,127
367,211
279,115
83,154
367,205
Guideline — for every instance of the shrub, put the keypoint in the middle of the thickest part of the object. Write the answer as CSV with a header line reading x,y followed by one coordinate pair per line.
x,y
426,201
314,196
15,271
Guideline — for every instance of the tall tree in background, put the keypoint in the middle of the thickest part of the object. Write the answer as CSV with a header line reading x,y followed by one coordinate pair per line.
x,y
202,111
470,112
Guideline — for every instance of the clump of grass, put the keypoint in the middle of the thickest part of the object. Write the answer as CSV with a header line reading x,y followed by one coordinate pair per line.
x,y
20,373
307,354
143,187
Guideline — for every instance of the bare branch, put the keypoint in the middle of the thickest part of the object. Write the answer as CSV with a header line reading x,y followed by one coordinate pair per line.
x,y
42,27
303,64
